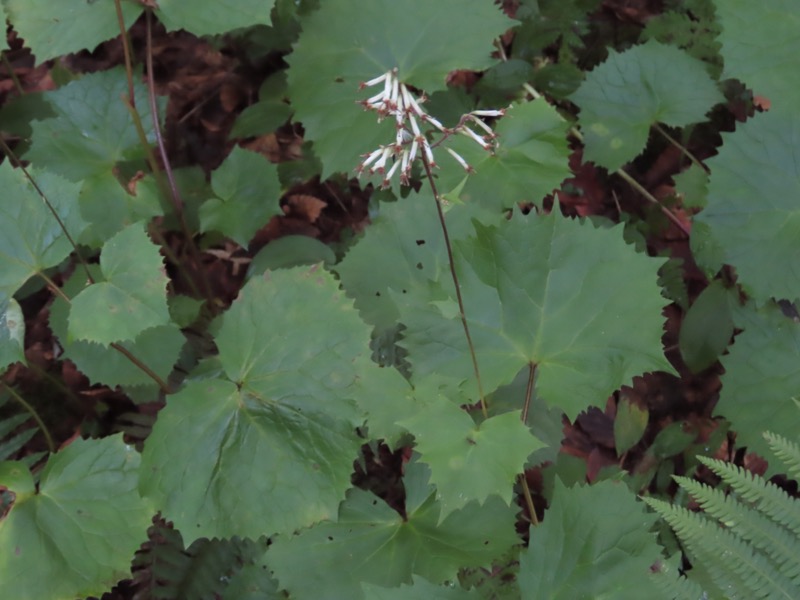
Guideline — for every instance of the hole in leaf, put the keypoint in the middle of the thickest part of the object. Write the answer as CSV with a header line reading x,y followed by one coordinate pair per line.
x,y
420,242
377,294
419,266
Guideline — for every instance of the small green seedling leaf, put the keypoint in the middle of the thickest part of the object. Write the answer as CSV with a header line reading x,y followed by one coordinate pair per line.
x,y
247,190
347,42
753,211
93,130
133,296
595,542
623,97
470,462
371,543
629,425
76,535
707,328
52,29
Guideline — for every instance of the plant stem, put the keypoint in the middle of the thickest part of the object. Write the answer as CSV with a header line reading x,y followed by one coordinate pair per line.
x,y
454,276
524,418
22,402
18,163
526,492
175,196
681,147
163,386
13,75
641,189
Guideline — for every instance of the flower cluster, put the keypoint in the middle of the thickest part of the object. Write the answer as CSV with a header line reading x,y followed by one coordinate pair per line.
x,y
396,101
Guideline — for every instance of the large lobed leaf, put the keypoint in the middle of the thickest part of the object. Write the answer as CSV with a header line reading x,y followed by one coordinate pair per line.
x,y
269,446
762,378
623,97
594,543
572,300
210,17
371,543
760,45
93,129
51,29
347,42
75,536
753,210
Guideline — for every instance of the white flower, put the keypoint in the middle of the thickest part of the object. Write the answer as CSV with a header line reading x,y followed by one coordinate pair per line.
x,y
398,101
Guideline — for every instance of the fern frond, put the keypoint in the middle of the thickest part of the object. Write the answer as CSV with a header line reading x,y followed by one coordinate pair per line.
x,y
10,444
776,542
766,497
787,451
738,570
673,584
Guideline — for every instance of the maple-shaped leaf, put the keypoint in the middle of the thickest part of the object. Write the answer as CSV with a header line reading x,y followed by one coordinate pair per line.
x,y
93,129
760,43
753,209
531,159
470,462
132,297
52,29
215,16
248,190
420,588
73,535
594,542
631,91
371,543
573,301
31,238
268,446
347,42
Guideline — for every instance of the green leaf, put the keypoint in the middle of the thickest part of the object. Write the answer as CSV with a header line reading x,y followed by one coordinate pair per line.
x,y
629,425
753,207
284,410
551,292
93,130
12,333
623,97
692,184
75,537
270,112
532,159
109,207
762,378
420,588
594,543
31,239
759,45
372,543
347,42
213,16
470,462
403,251
247,190
707,328
290,251
133,296
52,29
157,347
